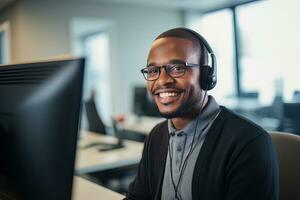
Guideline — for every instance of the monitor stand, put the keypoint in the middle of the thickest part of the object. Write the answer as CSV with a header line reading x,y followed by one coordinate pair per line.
x,y
117,132
108,147
104,146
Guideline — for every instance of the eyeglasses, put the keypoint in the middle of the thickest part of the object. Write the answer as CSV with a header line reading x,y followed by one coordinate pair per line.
x,y
151,73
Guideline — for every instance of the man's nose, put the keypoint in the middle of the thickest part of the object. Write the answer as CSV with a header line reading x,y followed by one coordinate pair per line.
x,y
164,77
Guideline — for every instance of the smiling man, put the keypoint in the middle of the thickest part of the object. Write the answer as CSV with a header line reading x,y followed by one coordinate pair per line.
x,y
203,150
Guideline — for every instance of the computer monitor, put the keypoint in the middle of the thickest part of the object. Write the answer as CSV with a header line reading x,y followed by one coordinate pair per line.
x,y
40,105
143,105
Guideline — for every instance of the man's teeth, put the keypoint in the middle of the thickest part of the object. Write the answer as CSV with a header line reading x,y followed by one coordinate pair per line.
x,y
167,94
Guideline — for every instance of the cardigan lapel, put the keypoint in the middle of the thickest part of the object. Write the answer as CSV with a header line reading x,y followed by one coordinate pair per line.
x,y
204,154
161,156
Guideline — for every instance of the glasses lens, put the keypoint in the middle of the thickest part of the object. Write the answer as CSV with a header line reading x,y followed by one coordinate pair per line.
x,y
151,72
176,70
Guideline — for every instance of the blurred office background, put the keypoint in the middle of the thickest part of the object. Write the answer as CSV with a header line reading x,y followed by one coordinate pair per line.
x,y
256,43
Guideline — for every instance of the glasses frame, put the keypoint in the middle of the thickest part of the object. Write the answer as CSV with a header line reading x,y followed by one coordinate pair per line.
x,y
186,64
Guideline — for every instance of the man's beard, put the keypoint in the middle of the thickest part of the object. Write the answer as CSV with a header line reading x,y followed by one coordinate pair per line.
x,y
182,110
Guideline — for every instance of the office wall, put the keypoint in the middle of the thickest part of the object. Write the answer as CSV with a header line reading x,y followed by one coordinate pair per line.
x,y
42,28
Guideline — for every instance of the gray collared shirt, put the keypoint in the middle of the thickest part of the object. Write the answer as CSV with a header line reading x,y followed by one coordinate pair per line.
x,y
179,146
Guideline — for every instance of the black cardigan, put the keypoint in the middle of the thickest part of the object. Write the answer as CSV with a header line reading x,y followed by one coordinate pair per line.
x,y
237,161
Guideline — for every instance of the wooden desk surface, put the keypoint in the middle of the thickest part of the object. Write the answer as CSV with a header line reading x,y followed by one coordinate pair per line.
x,y
91,159
84,189
141,124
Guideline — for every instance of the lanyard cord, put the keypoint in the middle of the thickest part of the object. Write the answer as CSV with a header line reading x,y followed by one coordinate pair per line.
x,y
176,186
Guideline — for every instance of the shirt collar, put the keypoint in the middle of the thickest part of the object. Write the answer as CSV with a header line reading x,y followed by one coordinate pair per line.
x,y
205,117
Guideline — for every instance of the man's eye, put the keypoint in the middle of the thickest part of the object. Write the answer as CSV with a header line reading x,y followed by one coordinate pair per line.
x,y
152,71
177,68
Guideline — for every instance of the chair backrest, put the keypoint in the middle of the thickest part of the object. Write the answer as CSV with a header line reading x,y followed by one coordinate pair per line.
x,y
288,151
291,110
291,118
94,120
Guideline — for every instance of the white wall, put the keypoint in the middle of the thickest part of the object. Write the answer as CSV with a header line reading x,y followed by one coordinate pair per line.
x,y
42,28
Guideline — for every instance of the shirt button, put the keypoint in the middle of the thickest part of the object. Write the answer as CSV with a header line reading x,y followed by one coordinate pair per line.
x,y
180,134
179,148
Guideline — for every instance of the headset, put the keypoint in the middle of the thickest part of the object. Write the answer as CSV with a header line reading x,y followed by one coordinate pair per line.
x,y
208,73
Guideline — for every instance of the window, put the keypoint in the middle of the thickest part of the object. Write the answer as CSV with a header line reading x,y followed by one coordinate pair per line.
x,y
264,58
1,47
216,27
268,49
96,51
4,43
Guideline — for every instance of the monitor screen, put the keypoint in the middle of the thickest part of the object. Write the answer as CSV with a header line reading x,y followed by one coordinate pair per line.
x,y
40,105
143,104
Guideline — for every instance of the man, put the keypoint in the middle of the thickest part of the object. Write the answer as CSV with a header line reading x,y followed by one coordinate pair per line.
x,y
203,150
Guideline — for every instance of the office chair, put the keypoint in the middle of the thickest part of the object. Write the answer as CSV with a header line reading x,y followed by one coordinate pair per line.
x,y
290,121
95,123
296,96
288,150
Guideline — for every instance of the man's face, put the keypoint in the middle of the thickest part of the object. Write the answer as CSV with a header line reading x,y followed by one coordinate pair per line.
x,y
175,97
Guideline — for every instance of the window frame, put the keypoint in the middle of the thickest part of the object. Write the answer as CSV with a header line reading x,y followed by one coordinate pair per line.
x,y
237,45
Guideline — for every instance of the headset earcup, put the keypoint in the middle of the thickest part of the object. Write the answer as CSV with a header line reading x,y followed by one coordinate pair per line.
x,y
204,77
207,79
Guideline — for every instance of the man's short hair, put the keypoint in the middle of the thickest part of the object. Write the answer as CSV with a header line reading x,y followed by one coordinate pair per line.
x,y
184,34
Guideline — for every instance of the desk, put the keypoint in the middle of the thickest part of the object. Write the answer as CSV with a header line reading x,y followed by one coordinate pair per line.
x,y
249,107
84,189
91,159
244,104
141,124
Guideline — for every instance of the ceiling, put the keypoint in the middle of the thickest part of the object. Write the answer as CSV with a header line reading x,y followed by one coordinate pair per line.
x,y
202,5
4,3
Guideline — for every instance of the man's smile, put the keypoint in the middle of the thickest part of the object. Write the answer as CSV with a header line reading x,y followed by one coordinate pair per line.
x,y
167,96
